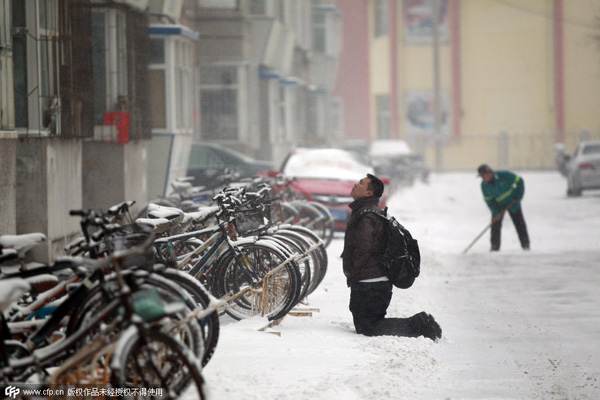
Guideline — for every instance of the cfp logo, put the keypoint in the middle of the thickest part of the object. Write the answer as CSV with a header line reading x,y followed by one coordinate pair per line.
x,y
12,391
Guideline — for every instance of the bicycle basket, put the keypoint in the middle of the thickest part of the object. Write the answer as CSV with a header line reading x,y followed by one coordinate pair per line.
x,y
276,212
124,240
249,220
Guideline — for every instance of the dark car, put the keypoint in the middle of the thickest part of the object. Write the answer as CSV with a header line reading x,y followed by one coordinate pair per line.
x,y
208,162
395,159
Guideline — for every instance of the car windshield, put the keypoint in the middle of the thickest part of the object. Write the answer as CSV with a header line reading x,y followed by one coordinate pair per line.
x,y
233,157
326,164
591,148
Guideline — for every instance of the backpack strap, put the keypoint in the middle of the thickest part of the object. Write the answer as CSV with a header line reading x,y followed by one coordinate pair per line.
x,y
371,210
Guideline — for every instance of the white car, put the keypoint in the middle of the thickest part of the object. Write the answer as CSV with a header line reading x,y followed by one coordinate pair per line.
x,y
583,171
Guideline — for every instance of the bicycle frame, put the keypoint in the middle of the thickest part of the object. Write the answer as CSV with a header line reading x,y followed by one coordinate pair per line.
x,y
214,246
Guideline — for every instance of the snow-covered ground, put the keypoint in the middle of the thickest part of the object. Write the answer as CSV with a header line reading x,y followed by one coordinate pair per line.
x,y
516,325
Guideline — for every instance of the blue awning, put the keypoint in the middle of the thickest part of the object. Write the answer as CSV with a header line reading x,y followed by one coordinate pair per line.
x,y
179,30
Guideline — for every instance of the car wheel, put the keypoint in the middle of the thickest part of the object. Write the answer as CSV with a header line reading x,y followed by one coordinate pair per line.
x,y
573,192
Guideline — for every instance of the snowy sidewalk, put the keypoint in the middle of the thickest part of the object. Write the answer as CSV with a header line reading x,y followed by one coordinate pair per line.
x,y
517,325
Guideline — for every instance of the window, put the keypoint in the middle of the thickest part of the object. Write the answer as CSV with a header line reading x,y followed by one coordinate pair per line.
x,y
109,47
381,18
224,4
383,116
157,80
6,72
158,94
183,84
326,30
337,117
219,102
35,64
319,36
258,7
157,51
283,114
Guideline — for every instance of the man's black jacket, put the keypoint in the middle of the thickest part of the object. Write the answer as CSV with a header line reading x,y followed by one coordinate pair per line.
x,y
363,242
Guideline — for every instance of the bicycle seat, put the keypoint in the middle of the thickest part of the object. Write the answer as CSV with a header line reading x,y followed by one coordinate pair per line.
x,y
203,214
21,243
158,225
173,215
170,213
11,290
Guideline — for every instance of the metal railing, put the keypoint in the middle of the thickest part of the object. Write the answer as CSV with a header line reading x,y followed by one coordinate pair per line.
x,y
533,150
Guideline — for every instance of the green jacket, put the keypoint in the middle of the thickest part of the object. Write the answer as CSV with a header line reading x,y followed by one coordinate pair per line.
x,y
505,188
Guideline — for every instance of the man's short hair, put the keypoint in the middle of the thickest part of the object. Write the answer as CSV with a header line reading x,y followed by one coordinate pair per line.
x,y
375,185
484,169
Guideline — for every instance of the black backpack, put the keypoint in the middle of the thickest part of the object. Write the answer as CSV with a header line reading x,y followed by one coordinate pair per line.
x,y
401,257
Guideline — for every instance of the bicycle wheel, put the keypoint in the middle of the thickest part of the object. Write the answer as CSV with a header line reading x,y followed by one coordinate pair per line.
x,y
298,248
324,224
104,292
289,213
313,217
210,324
156,362
312,253
320,251
261,278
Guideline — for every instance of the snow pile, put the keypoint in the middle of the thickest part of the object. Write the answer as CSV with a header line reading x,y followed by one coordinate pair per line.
x,y
516,325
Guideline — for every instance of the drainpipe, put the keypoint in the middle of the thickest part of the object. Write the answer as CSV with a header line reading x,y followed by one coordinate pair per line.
x,y
559,70
395,132
456,68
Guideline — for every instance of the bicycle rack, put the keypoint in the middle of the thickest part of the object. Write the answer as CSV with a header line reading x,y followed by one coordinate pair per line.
x,y
295,312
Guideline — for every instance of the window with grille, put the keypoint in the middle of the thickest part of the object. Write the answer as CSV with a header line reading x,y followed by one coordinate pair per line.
x,y
319,33
109,46
381,18
383,116
258,7
219,88
326,30
183,80
222,4
35,51
7,111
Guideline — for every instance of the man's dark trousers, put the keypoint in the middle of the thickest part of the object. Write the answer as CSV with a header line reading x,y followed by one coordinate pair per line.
x,y
520,225
368,305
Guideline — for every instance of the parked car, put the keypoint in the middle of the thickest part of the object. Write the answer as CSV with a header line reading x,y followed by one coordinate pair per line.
x,y
562,159
209,161
583,170
327,176
395,159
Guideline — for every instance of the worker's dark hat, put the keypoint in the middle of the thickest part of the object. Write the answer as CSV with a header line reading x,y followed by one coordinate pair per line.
x,y
483,168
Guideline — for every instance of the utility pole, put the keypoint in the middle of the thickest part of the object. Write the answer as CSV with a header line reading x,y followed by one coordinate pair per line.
x,y
439,145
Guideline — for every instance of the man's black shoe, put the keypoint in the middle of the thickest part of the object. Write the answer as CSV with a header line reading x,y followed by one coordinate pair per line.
x,y
429,327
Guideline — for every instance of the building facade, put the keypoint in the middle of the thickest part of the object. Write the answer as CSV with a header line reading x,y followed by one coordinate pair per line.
x,y
73,101
100,100
261,79
502,83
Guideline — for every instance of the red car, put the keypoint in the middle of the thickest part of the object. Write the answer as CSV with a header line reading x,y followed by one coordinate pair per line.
x,y
327,176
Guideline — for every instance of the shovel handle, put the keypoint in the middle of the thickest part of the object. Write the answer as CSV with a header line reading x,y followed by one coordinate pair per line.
x,y
512,203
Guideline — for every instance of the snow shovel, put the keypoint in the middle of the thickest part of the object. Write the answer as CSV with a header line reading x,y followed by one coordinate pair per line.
x,y
512,203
